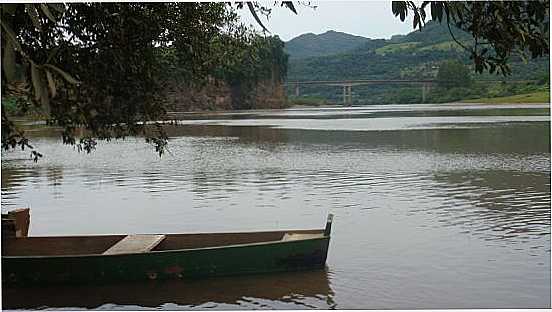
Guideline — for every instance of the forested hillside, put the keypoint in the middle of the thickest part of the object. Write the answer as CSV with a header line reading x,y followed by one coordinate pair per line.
x,y
331,42
416,55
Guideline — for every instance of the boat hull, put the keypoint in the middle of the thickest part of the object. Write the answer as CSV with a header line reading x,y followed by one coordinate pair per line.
x,y
277,256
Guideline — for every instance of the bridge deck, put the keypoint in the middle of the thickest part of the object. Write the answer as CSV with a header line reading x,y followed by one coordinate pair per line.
x,y
390,81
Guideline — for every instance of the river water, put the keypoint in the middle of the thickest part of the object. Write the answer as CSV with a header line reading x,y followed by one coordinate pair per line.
x,y
436,206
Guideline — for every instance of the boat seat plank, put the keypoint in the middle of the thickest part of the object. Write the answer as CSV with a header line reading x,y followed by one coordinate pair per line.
x,y
136,243
299,236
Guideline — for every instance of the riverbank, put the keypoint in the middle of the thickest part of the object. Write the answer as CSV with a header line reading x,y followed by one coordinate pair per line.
x,y
534,97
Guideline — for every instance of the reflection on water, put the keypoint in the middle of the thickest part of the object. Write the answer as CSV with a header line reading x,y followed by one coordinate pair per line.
x,y
300,290
429,214
507,204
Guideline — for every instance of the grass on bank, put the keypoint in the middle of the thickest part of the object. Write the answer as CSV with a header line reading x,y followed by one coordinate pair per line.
x,y
307,101
534,97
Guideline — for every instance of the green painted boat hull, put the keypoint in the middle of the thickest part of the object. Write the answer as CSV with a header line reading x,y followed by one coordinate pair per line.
x,y
277,256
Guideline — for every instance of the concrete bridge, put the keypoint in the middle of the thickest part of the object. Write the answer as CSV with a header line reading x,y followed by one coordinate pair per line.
x,y
347,85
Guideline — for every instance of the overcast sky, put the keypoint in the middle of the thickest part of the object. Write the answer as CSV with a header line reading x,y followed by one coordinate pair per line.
x,y
372,19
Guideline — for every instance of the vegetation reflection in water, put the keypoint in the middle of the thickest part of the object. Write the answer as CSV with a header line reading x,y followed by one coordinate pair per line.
x,y
425,218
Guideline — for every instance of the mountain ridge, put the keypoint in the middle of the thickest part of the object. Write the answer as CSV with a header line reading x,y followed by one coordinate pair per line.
x,y
327,43
333,42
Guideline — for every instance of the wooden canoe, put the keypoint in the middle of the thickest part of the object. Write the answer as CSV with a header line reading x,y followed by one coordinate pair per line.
x,y
113,258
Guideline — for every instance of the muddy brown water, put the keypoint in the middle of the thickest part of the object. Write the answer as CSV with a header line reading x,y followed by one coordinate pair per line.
x,y
436,206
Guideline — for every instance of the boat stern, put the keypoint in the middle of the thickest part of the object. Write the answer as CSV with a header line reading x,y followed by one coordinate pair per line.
x,y
328,228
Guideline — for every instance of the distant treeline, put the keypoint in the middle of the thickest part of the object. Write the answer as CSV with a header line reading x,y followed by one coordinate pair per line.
x,y
414,56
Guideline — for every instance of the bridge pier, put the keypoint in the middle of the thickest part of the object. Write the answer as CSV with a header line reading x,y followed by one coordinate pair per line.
x,y
426,87
347,95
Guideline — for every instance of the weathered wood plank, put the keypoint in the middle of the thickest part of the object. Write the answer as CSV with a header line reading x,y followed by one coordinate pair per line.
x,y
16,223
300,236
136,243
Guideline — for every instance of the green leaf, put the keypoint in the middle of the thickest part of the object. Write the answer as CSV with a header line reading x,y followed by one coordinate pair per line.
x,y
436,11
64,74
395,7
254,13
51,83
399,8
417,21
289,5
47,12
8,61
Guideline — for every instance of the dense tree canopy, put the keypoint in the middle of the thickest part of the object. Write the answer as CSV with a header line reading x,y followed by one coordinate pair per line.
x,y
101,66
453,74
499,28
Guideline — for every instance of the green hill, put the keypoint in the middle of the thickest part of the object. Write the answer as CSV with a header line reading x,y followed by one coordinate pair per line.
x,y
434,32
415,55
330,42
